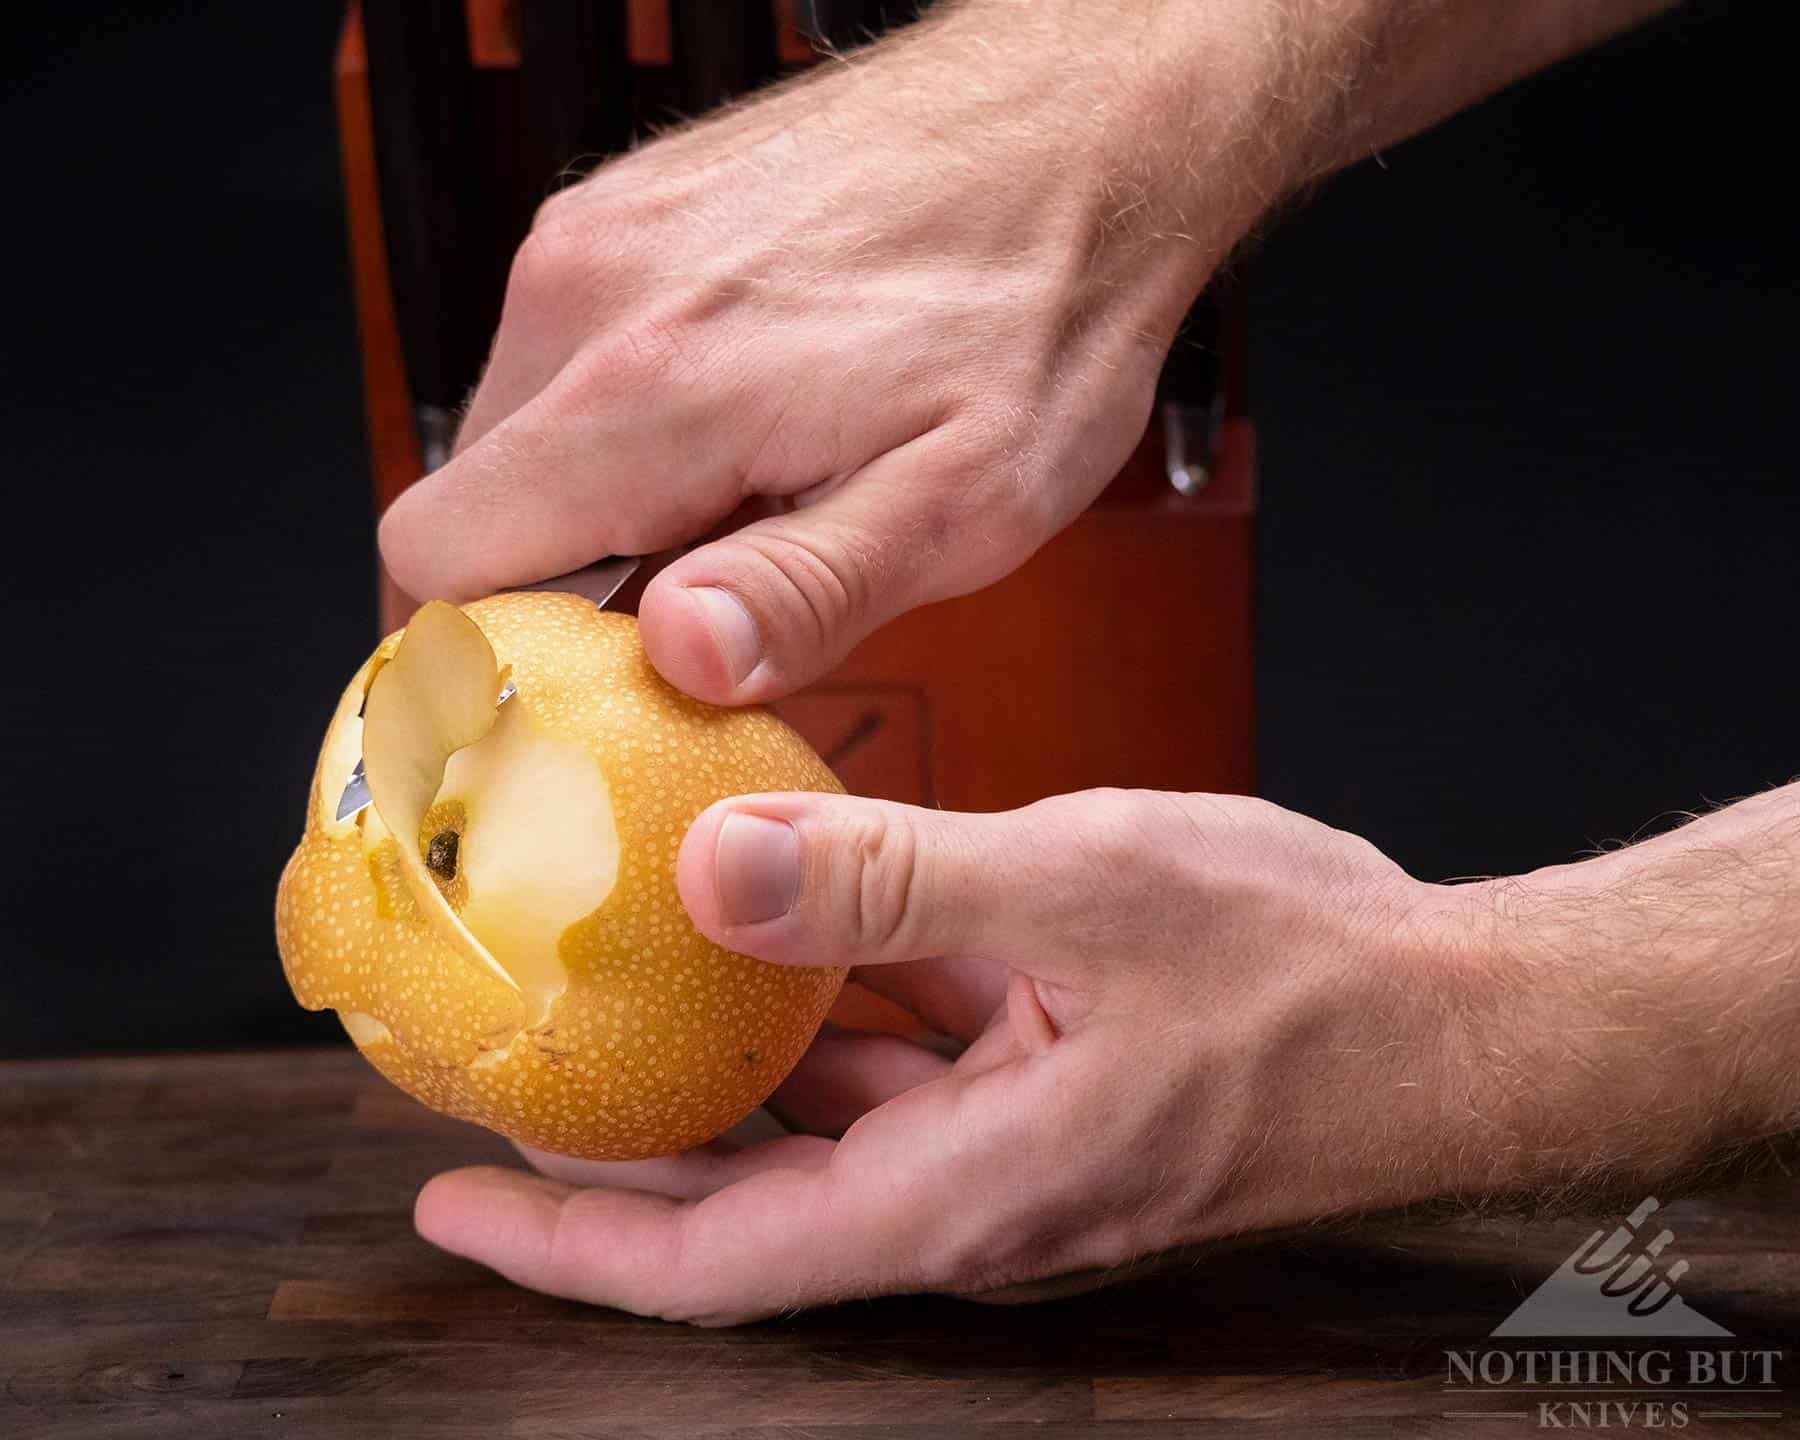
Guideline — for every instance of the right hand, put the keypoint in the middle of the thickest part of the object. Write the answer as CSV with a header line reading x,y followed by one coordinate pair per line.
x,y
924,295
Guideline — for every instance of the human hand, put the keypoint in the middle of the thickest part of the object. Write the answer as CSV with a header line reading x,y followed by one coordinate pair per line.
x,y
924,295
1186,1018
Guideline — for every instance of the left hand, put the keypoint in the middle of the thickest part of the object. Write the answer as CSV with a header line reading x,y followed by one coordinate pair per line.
x,y
1186,1017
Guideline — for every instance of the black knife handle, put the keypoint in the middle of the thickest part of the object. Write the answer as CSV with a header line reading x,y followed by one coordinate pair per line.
x,y
720,50
579,93
420,81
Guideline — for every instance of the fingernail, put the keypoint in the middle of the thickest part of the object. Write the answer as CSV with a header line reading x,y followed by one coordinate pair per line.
x,y
756,866
733,630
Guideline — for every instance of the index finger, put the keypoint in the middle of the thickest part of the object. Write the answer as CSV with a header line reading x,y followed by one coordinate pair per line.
x,y
546,491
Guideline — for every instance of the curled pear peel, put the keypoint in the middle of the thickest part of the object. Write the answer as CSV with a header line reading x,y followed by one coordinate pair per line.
x,y
439,694
619,1031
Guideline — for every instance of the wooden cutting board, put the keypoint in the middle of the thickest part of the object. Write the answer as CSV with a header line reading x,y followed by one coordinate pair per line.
x,y
220,1245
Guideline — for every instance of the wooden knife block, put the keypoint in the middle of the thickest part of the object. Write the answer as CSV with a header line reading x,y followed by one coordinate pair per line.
x,y
1119,655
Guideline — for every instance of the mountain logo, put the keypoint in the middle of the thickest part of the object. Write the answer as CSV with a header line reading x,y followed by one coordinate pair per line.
x,y
1615,1284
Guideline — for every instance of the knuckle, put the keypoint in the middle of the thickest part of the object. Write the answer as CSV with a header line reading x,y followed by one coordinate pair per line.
x,y
1000,519
820,588
546,258
1140,839
649,350
636,531
1034,510
928,539
1012,480
560,208
877,890
622,367
1117,820
660,1279
572,247
959,542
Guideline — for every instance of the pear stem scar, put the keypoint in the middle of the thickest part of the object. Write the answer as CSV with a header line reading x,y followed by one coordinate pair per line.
x,y
440,855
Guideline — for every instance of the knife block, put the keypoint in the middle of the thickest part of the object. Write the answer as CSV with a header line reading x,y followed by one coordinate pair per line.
x,y
1119,655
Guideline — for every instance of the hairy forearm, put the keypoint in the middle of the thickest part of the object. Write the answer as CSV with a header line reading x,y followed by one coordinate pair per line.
x,y
1377,71
1198,115
1142,142
1654,1003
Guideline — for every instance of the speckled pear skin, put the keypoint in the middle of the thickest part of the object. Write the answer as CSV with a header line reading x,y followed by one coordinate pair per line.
x,y
662,1039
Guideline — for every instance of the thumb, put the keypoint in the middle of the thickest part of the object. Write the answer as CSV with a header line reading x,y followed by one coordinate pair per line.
x,y
818,879
772,607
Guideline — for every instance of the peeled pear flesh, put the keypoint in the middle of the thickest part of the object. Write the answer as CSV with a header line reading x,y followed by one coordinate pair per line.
x,y
499,930
535,847
538,848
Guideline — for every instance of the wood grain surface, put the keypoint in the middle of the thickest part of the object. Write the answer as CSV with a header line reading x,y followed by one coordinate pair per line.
x,y
218,1245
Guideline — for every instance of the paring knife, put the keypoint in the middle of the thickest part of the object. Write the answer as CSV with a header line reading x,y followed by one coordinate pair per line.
x,y
598,582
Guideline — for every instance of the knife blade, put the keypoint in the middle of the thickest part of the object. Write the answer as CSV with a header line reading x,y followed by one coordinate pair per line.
x,y
598,582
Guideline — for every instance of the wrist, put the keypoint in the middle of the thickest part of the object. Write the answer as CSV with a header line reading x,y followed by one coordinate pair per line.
x,y
1149,120
1208,113
1639,1011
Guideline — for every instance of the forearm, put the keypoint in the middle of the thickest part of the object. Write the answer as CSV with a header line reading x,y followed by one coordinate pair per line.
x,y
1369,73
1652,1004
1135,144
1196,116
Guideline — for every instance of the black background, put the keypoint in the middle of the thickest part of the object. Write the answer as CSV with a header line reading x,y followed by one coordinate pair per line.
x,y
1526,399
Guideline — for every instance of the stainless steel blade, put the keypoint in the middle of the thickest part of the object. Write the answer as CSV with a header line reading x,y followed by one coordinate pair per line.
x,y
598,582
356,794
